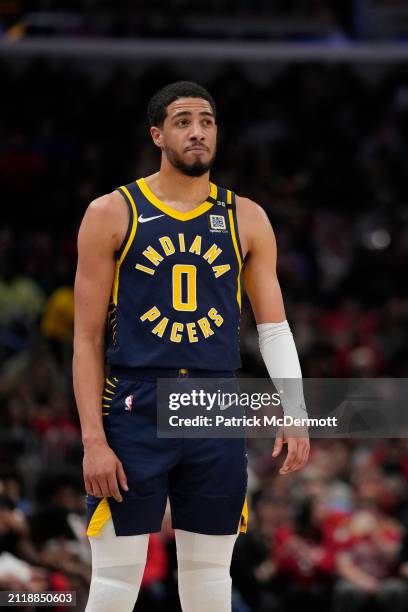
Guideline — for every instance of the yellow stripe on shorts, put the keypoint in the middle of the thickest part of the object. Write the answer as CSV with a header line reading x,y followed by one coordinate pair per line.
x,y
101,515
244,518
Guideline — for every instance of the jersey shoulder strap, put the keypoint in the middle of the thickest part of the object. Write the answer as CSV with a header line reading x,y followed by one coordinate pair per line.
x,y
231,205
128,195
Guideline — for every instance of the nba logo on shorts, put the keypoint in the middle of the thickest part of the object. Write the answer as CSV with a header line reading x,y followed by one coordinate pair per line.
x,y
217,223
129,402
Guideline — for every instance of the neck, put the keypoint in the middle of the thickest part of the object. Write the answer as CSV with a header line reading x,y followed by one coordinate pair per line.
x,y
173,187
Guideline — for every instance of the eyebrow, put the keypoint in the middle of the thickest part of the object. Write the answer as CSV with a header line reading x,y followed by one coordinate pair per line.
x,y
204,113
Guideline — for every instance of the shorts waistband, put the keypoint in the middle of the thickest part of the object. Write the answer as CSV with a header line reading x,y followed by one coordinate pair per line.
x,y
153,373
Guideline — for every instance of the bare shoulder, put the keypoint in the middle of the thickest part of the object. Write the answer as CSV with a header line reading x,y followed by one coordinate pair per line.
x,y
251,212
108,207
106,220
253,223
248,206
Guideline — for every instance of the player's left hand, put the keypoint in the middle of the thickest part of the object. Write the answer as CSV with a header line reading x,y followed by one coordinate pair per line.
x,y
298,450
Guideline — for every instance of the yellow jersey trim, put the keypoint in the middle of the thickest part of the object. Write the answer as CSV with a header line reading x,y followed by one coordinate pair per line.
x,y
168,210
115,288
235,243
99,518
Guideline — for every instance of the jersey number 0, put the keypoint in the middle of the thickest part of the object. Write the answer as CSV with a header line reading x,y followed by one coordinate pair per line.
x,y
184,300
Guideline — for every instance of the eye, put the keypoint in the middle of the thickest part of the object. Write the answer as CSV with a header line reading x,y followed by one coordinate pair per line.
x,y
182,122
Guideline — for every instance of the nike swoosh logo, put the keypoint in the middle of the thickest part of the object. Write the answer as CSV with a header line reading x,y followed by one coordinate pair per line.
x,y
143,219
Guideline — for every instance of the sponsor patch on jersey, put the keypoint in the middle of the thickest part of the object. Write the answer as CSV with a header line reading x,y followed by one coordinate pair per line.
x,y
217,223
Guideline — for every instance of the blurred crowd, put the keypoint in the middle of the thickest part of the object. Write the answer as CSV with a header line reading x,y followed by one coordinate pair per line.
x,y
323,149
331,537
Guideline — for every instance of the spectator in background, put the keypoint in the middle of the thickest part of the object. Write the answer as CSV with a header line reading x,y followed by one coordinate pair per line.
x,y
21,301
57,531
19,567
253,568
403,561
58,321
366,561
32,374
304,557
153,589
11,486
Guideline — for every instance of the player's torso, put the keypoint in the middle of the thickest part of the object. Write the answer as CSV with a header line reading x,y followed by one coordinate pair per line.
x,y
176,295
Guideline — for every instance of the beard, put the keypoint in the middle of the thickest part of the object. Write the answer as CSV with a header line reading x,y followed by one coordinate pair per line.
x,y
196,168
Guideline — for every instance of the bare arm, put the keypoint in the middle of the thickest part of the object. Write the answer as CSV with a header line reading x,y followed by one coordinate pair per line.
x,y
100,235
259,271
264,292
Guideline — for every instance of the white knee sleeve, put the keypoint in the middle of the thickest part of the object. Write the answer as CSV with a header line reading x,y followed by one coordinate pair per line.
x,y
118,564
204,571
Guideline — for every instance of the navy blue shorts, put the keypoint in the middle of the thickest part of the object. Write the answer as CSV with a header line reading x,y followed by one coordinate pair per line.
x,y
205,479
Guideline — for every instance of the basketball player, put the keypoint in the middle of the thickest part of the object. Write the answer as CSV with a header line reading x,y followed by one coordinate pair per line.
x,y
159,269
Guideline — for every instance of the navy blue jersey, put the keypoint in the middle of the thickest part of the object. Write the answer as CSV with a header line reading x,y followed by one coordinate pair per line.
x,y
176,296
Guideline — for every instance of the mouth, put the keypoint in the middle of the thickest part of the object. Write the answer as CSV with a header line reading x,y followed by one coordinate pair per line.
x,y
197,149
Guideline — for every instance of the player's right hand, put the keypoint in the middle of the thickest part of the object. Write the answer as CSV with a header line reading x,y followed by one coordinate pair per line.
x,y
103,472
298,448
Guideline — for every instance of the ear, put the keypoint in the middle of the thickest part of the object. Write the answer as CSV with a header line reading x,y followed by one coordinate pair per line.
x,y
157,136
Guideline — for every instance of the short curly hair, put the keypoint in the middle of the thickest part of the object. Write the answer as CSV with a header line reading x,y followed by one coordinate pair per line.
x,y
157,107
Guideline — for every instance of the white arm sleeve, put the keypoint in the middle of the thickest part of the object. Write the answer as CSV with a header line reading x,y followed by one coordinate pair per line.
x,y
279,353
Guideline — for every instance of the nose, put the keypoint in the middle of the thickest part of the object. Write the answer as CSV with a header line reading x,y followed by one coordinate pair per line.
x,y
197,132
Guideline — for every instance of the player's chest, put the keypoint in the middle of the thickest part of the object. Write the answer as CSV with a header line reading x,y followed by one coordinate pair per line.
x,y
202,241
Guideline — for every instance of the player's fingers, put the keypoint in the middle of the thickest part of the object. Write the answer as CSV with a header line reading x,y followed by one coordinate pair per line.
x,y
96,488
105,488
298,460
290,458
306,451
302,452
120,472
278,444
88,486
114,488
